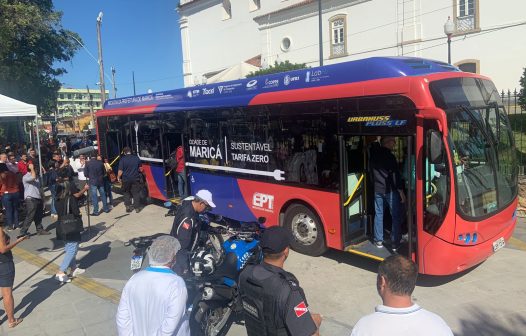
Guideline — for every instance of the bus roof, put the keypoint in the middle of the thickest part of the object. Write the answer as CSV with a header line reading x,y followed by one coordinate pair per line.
x,y
242,92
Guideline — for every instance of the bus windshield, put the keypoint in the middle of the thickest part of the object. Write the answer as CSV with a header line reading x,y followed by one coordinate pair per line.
x,y
481,142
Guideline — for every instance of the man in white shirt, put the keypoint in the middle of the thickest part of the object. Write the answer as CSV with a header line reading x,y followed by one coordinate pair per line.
x,y
78,166
153,301
398,315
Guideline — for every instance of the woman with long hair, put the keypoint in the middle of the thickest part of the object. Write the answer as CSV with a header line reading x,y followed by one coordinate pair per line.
x,y
7,276
67,195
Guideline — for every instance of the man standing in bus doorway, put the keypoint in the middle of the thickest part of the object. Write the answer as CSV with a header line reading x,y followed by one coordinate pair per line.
x,y
130,177
388,191
179,169
398,315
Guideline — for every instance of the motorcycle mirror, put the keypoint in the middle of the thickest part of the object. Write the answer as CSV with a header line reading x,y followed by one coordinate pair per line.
x,y
262,220
167,204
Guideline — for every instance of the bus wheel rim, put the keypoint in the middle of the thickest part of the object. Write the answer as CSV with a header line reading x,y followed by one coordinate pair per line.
x,y
304,229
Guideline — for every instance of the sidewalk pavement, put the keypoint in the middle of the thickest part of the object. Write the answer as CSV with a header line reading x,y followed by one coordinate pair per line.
x,y
487,300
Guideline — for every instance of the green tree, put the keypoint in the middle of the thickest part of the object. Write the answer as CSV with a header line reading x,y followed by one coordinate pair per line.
x,y
522,93
32,42
277,68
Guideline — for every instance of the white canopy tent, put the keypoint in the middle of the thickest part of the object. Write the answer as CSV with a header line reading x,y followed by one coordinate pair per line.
x,y
12,108
238,71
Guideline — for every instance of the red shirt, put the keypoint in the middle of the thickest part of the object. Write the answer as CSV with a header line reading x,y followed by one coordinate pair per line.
x,y
22,167
9,182
179,156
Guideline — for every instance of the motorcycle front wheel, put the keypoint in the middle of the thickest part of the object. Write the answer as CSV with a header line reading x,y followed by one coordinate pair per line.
x,y
215,321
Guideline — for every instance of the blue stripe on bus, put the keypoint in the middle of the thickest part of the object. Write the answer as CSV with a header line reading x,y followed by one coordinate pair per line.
x,y
225,193
241,92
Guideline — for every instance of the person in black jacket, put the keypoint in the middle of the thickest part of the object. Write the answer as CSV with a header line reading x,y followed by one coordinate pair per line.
x,y
67,195
388,190
272,299
95,173
130,175
187,224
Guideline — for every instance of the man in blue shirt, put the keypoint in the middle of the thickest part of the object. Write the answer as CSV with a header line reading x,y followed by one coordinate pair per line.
x,y
130,176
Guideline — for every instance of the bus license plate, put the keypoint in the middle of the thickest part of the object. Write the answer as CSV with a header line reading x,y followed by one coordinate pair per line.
x,y
498,244
136,263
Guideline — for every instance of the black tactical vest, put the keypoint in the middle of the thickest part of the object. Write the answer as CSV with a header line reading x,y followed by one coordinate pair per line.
x,y
258,297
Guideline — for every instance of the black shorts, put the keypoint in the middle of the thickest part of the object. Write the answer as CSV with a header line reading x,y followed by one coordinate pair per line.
x,y
7,274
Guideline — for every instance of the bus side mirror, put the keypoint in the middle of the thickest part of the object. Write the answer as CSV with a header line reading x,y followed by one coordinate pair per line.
x,y
435,147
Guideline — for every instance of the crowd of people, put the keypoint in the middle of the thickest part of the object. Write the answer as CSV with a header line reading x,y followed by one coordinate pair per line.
x,y
155,300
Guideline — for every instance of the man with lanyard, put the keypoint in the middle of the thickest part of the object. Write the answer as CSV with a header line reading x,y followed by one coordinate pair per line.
x,y
153,301
186,225
274,304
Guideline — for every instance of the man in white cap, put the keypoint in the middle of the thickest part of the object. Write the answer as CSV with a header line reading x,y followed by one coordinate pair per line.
x,y
153,301
186,226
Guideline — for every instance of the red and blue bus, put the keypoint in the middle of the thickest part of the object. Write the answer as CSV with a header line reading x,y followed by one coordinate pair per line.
x,y
294,148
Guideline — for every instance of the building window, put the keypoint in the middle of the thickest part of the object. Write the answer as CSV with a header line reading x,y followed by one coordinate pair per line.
x,y
338,36
254,5
466,15
470,65
227,10
69,96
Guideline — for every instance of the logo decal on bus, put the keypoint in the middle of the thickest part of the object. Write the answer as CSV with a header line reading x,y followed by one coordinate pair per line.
x,y
289,79
263,202
252,83
377,121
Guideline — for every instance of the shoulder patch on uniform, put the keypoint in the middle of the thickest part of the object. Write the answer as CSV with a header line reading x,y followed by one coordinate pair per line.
x,y
301,309
293,283
186,225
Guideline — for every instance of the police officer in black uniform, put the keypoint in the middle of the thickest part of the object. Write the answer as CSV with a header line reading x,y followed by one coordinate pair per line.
x,y
274,304
187,224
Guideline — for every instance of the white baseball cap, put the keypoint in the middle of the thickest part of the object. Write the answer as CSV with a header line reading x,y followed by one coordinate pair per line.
x,y
206,196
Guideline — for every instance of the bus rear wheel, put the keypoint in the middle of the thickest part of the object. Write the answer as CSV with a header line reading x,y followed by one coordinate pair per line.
x,y
306,230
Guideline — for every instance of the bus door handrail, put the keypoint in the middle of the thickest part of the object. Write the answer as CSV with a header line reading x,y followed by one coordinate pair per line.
x,y
354,191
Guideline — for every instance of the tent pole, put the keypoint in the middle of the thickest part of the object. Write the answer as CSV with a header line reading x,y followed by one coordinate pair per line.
x,y
38,145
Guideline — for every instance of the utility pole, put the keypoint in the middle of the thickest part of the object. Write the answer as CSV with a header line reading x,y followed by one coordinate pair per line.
x,y
320,33
101,63
91,107
113,82
133,78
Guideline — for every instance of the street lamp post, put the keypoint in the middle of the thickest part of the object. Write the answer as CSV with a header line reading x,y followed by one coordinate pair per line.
x,y
449,29
101,64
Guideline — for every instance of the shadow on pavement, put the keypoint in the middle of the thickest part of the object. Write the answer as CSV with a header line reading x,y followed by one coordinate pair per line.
x,y
439,280
42,290
95,254
351,259
484,324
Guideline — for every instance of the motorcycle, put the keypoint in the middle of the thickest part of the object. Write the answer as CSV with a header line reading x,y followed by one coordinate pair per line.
x,y
216,266
141,246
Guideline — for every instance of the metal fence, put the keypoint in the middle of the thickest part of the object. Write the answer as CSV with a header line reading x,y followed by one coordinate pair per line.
x,y
517,117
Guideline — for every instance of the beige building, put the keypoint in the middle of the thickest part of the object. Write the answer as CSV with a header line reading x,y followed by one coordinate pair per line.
x,y
76,102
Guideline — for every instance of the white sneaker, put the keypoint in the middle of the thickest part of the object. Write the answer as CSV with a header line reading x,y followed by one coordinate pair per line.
x,y
77,271
62,278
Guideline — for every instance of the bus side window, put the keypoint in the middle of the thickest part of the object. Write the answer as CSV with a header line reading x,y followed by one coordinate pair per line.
x,y
436,187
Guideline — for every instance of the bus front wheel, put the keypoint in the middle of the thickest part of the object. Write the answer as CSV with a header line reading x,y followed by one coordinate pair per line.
x,y
306,230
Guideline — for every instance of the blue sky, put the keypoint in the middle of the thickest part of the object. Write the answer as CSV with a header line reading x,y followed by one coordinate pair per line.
x,y
137,36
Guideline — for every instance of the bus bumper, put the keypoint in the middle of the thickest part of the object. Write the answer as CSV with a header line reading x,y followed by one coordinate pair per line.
x,y
445,258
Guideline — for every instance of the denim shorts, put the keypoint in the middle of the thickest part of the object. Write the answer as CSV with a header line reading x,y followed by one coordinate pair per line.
x,y
7,274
